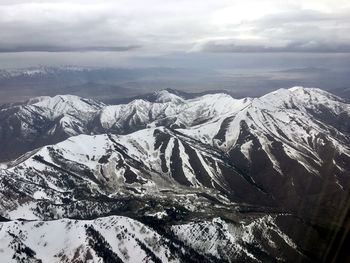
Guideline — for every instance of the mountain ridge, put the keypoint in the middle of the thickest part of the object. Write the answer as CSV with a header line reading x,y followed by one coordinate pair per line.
x,y
184,161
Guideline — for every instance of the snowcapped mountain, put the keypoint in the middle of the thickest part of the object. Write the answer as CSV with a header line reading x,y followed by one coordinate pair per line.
x,y
60,117
43,120
291,142
121,239
115,239
150,163
255,163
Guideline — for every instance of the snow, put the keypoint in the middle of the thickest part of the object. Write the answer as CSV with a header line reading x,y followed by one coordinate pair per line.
x,y
40,195
279,118
168,152
277,114
63,104
266,146
186,166
135,113
166,96
67,239
25,211
267,225
159,215
281,115
213,237
168,105
245,149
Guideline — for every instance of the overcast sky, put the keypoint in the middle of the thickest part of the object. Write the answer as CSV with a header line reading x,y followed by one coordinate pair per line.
x,y
54,31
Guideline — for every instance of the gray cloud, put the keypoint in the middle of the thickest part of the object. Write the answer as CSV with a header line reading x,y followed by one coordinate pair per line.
x,y
299,47
15,49
154,28
290,30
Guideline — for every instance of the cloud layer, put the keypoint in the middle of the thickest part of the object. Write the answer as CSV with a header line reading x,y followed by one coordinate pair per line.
x,y
62,48
163,26
236,46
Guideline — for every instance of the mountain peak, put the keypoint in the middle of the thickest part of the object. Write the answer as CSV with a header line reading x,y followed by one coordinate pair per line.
x,y
296,88
191,158
66,104
167,96
299,95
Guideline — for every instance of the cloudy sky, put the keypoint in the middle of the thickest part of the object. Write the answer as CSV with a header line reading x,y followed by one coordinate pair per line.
x,y
127,31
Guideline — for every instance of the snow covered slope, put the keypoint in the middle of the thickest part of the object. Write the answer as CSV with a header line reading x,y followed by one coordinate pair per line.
x,y
46,120
122,239
43,120
245,242
115,239
294,143
279,142
154,162
167,160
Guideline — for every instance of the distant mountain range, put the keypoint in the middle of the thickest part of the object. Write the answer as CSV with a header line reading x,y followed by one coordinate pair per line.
x,y
172,176
121,85
103,83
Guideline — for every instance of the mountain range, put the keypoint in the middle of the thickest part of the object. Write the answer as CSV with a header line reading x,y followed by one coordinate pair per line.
x,y
175,177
